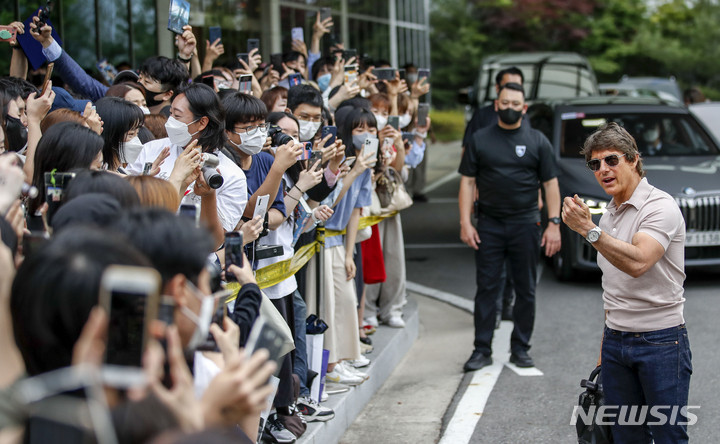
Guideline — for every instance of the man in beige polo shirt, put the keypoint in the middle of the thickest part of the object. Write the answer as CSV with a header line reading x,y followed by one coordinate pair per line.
x,y
646,359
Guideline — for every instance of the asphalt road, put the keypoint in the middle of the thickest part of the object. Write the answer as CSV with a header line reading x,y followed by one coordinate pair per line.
x,y
566,340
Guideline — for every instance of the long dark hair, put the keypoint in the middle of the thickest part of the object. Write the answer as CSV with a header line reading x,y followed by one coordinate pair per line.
x,y
205,103
119,117
65,146
354,119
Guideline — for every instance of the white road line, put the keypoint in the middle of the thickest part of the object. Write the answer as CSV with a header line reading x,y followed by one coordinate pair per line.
x,y
430,246
452,299
440,182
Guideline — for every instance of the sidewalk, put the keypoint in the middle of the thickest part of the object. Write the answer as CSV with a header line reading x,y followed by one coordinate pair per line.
x,y
443,159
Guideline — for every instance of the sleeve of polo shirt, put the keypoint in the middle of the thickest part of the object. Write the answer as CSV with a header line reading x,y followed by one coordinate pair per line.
x,y
662,220
365,196
468,165
548,164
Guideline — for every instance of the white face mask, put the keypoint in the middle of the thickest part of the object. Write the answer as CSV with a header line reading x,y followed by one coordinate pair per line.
x,y
308,130
178,132
250,145
145,110
405,120
130,150
381,121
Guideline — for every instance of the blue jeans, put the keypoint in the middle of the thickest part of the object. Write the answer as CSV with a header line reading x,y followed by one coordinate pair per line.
x,y
647,369
300,364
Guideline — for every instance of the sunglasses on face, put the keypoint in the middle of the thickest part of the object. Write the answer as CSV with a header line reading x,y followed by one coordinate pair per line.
x,y
612,161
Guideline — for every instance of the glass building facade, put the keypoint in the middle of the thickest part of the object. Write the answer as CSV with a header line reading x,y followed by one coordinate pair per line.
x,y
131,30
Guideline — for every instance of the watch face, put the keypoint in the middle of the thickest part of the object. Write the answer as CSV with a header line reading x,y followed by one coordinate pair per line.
x,y
593,236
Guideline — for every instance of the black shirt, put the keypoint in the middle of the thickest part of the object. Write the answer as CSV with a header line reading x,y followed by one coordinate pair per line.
x,y
482,118
507,166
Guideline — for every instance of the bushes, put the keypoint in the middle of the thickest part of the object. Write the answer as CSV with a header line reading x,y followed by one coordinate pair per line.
x,y
449,124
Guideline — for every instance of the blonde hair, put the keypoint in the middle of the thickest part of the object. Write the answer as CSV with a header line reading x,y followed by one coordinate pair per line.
x,y
154,192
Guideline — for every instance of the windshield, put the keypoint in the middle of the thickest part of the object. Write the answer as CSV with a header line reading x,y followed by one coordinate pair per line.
x,y
656,134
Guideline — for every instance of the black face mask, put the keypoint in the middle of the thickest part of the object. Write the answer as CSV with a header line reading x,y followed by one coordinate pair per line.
x,y
16,134
150,98
509,116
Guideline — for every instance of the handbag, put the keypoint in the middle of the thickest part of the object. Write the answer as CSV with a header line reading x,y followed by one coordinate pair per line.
x,y
592,398
274,318
390,186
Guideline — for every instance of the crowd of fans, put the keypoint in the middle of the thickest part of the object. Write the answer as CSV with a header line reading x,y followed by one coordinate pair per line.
x,y
95,176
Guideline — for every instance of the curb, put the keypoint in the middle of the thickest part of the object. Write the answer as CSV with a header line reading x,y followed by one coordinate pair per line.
x,y
390,344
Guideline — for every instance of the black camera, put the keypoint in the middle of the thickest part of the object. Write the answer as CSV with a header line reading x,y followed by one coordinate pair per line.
x,y
44,16
278,137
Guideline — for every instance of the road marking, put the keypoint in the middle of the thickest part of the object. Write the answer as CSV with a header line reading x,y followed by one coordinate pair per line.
x,y
429,246
452,299
440,182
442,200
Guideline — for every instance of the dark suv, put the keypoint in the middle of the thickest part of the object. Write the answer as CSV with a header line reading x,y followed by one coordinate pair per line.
x,y
679,155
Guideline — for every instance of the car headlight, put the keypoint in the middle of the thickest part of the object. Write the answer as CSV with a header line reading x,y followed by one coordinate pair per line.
x,y
596,206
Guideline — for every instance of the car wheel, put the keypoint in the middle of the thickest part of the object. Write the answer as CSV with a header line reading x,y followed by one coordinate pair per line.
x,y
562,261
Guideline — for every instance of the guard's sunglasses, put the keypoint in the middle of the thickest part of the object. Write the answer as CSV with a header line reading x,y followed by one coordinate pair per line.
x,y
612,161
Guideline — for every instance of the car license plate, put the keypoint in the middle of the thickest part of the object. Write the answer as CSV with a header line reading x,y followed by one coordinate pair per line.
x,y
702,239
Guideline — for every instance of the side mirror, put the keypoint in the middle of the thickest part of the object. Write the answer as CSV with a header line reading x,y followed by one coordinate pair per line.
x,y
466,96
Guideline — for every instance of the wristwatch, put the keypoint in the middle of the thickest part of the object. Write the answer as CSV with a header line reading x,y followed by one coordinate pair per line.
x,y
593,235
555,220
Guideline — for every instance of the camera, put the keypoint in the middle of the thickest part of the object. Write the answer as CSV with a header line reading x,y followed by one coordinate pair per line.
x,y
278,137
44,16
209,164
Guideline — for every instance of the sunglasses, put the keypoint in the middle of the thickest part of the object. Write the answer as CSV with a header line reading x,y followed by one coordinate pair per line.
x,y
612,161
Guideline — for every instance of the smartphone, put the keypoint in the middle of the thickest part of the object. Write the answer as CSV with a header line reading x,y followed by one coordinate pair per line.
x,y
315,157
264,335
147,168
423,110
8,34
33,241
191,212
107,70
403,74
277,61
233,253
244,57
44,15
215,33
384,73
351,74
332,130
325,13
338,53
307,151
55,185
245,85
209,81
130,297
294,80
252,44
349,161
371,146
179,16
261,206
394,121
298,34
48,74
349,53
423,73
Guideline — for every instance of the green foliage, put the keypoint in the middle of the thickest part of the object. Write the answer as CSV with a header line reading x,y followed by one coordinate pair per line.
x,y
448,124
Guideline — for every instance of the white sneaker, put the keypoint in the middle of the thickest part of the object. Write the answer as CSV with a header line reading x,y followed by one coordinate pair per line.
x,y
372,320
324,396
352,371
340,376
396,322
332,388
359,363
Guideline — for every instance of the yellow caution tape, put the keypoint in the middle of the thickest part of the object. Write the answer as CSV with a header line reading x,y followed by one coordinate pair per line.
x,y
275,273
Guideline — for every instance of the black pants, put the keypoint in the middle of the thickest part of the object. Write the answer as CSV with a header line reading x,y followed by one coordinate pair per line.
x,y
285,395
520,245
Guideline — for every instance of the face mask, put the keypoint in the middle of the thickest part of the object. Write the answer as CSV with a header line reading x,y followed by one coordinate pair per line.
x,y
178,132
150,98
509,116
130,150
381,121
16,137
308,130
405,120
412,78
359,140
324,81
651,135
201,321
250,145
145,110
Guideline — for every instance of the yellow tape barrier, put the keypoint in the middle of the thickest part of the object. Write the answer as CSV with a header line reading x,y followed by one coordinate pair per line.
x,y
274,274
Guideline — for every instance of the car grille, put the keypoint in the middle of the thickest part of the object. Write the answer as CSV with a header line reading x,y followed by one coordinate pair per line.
x,y
700,213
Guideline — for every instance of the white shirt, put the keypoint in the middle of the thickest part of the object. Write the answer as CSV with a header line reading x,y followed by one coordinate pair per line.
x,y
283,235
231,196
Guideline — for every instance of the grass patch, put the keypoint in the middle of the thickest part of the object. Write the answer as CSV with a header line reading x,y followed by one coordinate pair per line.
x,y
448,124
